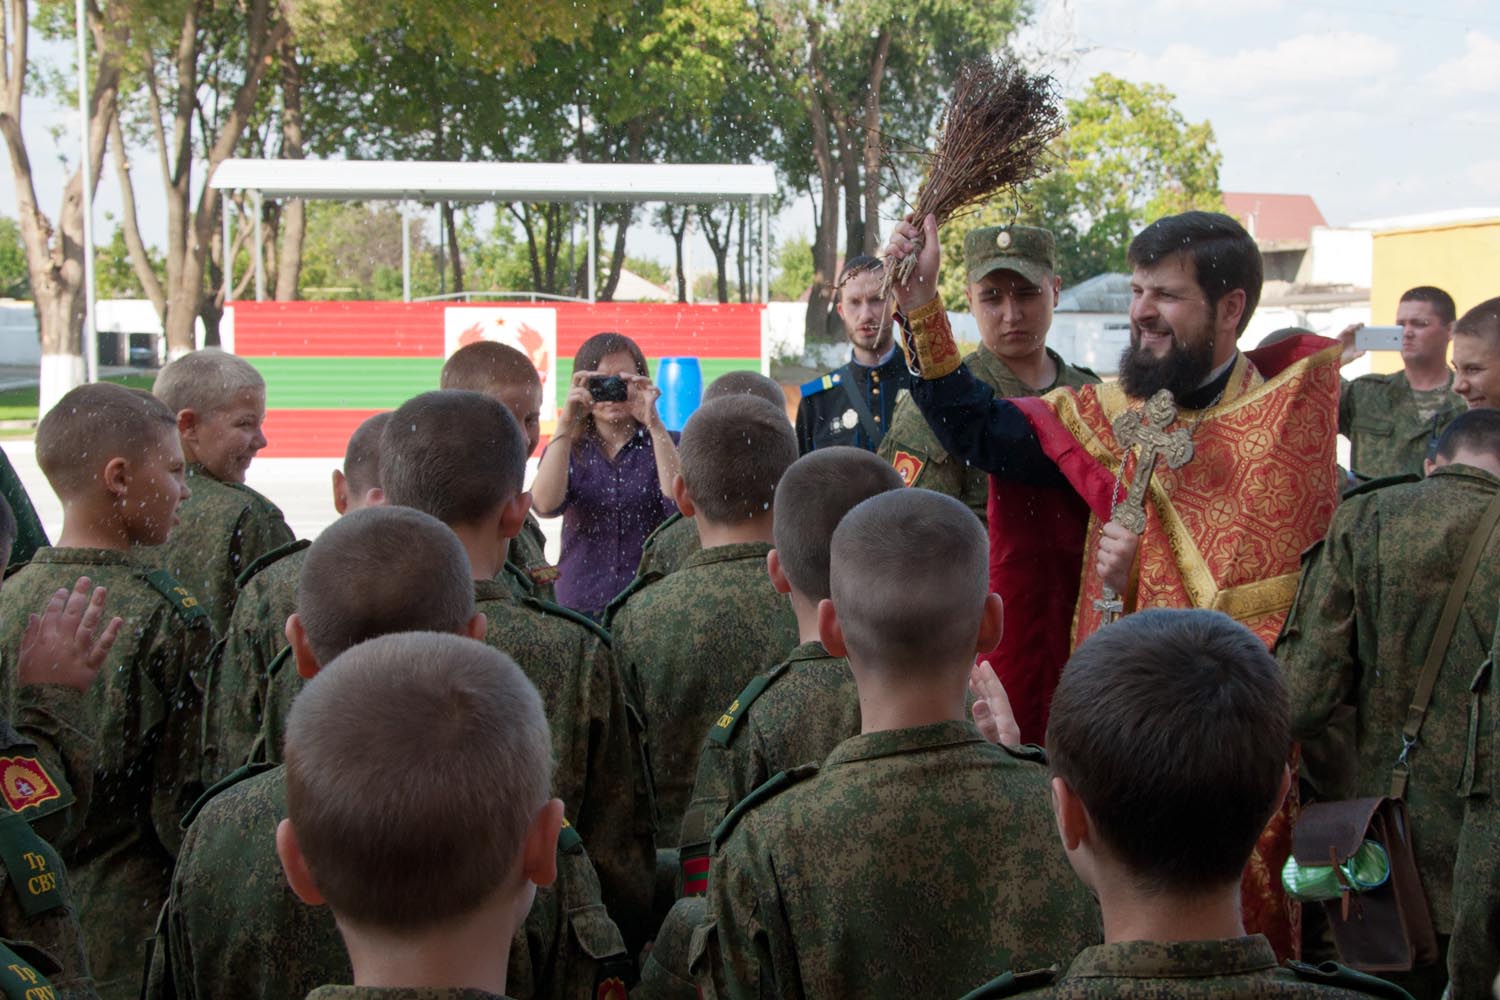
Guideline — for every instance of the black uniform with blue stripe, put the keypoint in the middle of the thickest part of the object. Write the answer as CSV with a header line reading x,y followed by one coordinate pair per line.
x,y
829,413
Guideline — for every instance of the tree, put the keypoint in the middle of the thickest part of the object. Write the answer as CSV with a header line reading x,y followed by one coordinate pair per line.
x,y
115,275
14,280
1128,157
792,269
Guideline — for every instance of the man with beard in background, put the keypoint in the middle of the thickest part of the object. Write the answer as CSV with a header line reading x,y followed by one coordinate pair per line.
x,y
853,405
1251,436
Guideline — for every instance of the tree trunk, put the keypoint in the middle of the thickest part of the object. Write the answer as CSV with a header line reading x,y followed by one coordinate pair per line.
x,y
140,260
742,254
454,254
294,212
872,142
817,325
718,236
849,177
669,213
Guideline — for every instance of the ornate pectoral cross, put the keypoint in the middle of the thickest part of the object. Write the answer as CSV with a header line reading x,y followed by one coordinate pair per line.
x,y
1154,441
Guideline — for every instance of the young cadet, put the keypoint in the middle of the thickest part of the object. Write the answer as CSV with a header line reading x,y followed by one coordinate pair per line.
x,y
687,642
254,680
508,377
1168,742
418,897
220,402
461,457
676,538
918,854
113,456
259,940
41,945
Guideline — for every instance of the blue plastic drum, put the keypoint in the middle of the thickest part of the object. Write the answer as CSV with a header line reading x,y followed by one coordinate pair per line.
x,y
681,383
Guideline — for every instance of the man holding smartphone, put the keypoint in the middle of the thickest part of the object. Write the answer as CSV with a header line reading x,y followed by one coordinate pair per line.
x,y
1390,420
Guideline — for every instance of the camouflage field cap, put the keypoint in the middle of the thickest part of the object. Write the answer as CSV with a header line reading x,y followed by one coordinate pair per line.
x,y
1031,253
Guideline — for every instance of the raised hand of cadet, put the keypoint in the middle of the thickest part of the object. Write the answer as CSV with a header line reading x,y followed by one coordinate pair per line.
x,y
64,645
992,713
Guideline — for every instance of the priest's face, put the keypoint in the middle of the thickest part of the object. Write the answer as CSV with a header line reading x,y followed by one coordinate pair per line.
x,y
1172,330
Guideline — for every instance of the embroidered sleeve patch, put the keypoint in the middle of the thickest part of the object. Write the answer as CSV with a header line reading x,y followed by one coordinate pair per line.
x,y
695,875
543,575
907,466
24,783
32,866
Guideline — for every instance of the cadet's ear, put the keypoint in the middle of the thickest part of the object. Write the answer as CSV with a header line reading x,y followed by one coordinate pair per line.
x,y
298,875
302,653
477,626
1072,817
991,624
830,632
374,497
777,574
340,492
680,494
540,860
513,515
117,476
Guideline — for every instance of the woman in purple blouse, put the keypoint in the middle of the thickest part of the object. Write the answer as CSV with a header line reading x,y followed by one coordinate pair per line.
x,y
608,471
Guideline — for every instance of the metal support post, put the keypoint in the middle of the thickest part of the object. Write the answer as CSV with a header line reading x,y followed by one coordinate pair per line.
x,y
593,251
406,251
258,202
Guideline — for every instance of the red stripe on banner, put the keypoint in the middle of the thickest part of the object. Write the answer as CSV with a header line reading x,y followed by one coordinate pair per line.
x,y
311,433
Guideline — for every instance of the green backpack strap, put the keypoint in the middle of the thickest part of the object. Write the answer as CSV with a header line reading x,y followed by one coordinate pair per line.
x,y
181,599
33,867
20,979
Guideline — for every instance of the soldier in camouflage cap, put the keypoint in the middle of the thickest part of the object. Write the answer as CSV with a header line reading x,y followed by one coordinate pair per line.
x,y
1012,288
1365,612
260,940
420,904
220,402
919,858
1160,829
427,462
237,698
113,457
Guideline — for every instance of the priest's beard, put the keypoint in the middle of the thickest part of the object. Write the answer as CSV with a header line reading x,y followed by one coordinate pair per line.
x,y
1181,370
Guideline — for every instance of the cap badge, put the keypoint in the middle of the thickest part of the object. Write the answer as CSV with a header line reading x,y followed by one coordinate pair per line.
x,y
1004,240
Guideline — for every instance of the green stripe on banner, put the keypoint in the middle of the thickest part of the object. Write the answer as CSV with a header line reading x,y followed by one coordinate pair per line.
x,y
386,383
345,383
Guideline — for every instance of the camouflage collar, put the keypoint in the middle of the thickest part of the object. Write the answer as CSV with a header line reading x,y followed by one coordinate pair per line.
x,y
728,553
61,554
1467,472
894,742
991,368
1174,960
809,651
492,590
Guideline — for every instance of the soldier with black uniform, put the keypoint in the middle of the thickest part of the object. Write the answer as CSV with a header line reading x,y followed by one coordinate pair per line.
x,y
853,405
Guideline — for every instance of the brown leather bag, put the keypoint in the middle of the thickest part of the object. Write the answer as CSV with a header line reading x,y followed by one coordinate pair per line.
x,y
1385,929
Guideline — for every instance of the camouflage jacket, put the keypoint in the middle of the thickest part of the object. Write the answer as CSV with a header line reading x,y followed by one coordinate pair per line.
x,y
601,771
794,715
913,450
260,942
915,862
1367,605
1387,435
225,527
665,974
403,993
686,644
36,899
1474,951
526,563
146,709
235,700
30,535
668,547
1237,969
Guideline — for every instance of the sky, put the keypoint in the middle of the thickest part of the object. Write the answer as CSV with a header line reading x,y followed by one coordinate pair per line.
x,y
1375,108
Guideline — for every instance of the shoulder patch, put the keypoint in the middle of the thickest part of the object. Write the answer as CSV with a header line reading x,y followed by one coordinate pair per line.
x,y
1334,974
33,867
568,841
908,466
25,784
20,976
1027,751
275,555
239,774
637,585
723,728
774,786
821,384
180,598
1011,983
1372,485
515,576
558,611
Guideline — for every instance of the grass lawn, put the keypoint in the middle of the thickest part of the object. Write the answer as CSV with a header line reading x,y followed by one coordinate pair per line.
x,y
20,404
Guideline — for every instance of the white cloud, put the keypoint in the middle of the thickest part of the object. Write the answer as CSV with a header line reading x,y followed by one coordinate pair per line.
x,y
1477,71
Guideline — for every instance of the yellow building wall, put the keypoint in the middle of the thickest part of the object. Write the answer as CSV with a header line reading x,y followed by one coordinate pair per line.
x,y
1462,258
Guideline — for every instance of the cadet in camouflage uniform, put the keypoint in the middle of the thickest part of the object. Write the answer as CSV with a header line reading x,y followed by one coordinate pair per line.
x,y
919,859
220,402
1389,422
234,704
30,535
1161,829
260,940
687,642
482,762
145,707
1012,288
1368,603
1474,951
601,775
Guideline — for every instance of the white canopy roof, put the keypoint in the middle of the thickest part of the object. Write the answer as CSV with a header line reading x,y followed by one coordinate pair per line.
x,y
409,180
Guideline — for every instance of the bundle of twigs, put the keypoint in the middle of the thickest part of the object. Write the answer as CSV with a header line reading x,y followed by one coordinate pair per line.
x,y
993,135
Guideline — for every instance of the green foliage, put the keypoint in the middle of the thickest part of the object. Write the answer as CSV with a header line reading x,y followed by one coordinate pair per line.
x,y
1128,157
15,277
653,271
114,275
353,251
494,262
792,269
